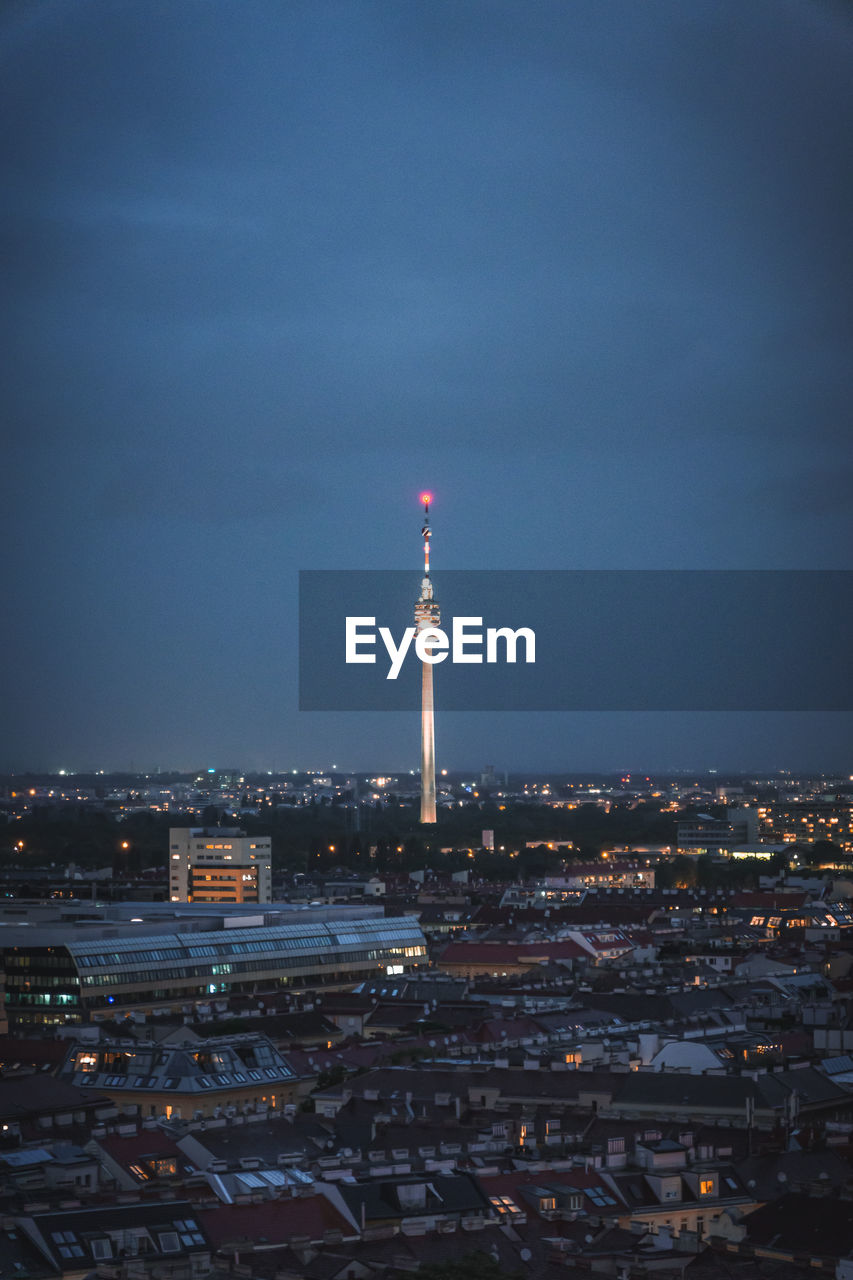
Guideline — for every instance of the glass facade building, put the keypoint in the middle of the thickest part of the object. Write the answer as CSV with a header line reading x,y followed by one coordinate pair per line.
x,y
79,980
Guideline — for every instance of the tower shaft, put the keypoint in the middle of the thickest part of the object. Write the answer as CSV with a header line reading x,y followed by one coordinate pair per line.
x,y
427,746
427,615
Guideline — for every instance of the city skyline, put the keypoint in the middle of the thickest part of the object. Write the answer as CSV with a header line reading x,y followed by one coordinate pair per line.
x,y
585,270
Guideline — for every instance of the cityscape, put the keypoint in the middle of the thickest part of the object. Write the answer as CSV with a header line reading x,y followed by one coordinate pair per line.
x,y
347,932
281,1026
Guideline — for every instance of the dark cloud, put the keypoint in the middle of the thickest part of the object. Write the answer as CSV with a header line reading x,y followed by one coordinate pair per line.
x,y
584,269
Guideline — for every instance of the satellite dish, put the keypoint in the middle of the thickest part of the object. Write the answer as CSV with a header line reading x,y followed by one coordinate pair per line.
x,y
525,1255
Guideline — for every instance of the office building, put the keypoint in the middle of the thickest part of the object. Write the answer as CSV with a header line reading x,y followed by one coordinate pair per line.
x,y
706,834
806,822
56,976
219,864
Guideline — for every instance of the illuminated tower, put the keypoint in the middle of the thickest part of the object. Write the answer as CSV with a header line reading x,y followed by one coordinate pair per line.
x,y
427,615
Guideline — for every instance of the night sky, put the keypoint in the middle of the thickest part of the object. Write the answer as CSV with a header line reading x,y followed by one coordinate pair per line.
x,y
581,267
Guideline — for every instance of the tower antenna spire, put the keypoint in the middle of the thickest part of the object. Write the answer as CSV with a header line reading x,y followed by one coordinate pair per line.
x,y
426,532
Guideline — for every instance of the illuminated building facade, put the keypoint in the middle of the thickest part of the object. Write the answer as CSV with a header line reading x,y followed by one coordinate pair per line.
x,y
608,875
806,822
215,1077
219,864
705,834
53,976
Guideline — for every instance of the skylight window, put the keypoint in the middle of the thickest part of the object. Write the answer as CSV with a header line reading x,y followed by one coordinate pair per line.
x,y
191,1237
599,1197
504,1205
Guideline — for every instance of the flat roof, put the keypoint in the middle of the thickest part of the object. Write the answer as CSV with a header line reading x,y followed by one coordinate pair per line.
x,y
137,920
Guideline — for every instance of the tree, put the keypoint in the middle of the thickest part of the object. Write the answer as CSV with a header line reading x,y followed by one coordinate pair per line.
x,y
472,1266
822,851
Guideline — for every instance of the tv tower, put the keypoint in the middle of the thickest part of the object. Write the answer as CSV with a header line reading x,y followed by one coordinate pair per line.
x,y
427,615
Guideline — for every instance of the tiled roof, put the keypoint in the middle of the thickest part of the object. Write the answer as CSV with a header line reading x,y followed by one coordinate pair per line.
x,y
503,1184
768,900
499,953
31,1052
273,1221
43,1095
382,1199
147,1142
800,1224
70,1235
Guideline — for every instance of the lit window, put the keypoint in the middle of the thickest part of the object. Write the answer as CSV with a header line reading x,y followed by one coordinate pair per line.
x,y
504,1205
706,1187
